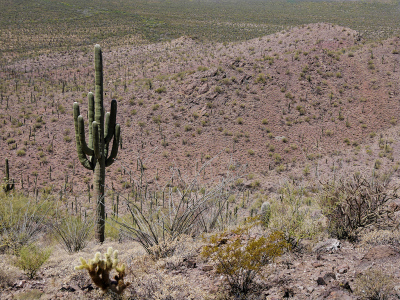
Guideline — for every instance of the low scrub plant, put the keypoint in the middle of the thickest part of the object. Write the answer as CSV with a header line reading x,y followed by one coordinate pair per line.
x,y
30,258
73,232
7,278
22,220
296,215
374,284
241,258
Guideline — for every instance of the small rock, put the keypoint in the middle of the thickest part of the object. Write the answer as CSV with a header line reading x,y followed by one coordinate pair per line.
x,y
310,289
335,294
321,281
204,89
317,264
345,285
330,245
207,268
68,288
343,269
328,277
20,284
190,263
89,287
397,290
287,292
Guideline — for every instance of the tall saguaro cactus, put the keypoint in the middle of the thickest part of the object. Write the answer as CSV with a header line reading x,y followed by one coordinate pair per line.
x,y
94,154
8,184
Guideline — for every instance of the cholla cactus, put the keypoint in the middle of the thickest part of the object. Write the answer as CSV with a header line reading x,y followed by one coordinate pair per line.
x,y
265,213
99,270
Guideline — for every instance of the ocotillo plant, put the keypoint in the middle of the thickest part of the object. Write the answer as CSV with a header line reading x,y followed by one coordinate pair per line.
x,y
8,184
94,155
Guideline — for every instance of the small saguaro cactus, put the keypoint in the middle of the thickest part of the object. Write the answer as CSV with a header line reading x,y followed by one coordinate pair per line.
x,y
8,184
94,155
265,213
99,270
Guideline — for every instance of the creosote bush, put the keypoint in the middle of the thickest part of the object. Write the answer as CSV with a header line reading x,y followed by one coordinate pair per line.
x,y
73,232
241,258
21,220
30,258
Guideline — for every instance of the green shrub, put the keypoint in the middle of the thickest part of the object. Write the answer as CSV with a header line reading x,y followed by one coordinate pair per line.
x,y
72,233
160,90
295,215
241,260
21,221
21,152
30,258
261,78
218,89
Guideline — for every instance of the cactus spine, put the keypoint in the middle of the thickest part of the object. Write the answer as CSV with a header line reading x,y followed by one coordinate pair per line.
x,y
8,184
94,155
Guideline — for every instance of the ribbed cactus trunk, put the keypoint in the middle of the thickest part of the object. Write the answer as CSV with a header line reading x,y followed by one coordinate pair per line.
x,y
95,155
100,167
8,184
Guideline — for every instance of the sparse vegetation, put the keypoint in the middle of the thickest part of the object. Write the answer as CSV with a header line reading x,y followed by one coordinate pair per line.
x,y
299,104
240,260
30,258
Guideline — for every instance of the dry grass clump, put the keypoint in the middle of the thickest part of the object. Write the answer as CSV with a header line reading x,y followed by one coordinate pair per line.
x,y
166,278
374,284
186,248
380,237
7,278
158,285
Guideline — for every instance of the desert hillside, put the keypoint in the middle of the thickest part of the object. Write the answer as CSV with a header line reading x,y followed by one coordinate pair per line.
x,y
278,103
285,119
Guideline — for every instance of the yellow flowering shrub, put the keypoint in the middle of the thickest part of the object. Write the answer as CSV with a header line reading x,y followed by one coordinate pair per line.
x,y
241,257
